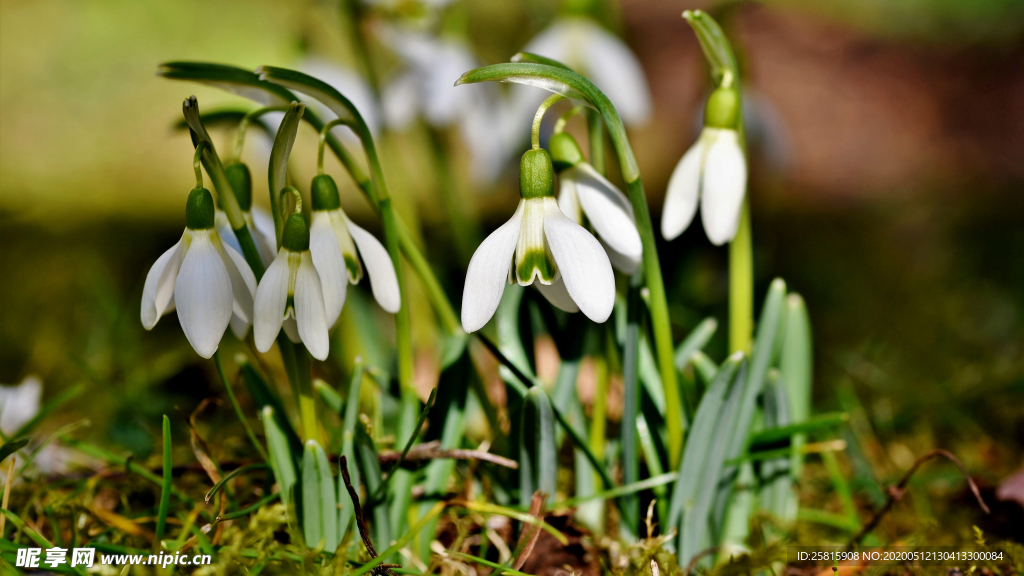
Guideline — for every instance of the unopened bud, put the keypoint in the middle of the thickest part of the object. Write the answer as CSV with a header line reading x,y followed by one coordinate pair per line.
x,y
565,152
240,178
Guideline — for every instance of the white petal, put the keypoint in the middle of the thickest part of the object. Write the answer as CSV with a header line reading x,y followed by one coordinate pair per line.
x,y
557,295
309,309
270,303
330,265
583,263
227,235
616,71
158,291
203,294
567,201
488,272
683,191
609,212
724,185
621,262
243,288
383,280
19,404
263,246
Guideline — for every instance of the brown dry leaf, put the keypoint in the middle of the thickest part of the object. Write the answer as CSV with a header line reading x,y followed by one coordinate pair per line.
x,y
528,539
119,522
199,447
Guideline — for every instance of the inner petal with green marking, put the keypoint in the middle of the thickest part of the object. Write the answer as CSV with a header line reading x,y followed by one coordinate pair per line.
x,y
533,259
348,247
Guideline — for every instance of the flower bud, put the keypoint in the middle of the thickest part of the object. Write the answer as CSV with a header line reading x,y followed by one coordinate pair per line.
x,y
536,175
565,152
241,183
722,108
199,212
324,193
295,236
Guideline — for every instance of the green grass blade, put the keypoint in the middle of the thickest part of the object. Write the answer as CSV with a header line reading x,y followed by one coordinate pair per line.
x,y
629,506
797,367
538,456
516,515
652,482
696,340
704,367
329,396
783,433
319,520
250,509
165,489
776,494
282,459
11,447
237,471
498,568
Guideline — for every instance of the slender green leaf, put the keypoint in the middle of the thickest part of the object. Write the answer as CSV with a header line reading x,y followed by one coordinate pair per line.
x,y
319,505
538,455
516,515
329,396
776,481
282,460
262,396
652,482
797,366
348,450
237,471
252,508
279,155
696,340
48,408
498,568
537,59
629,505
229,78
783,433
11,447
165,490
704,367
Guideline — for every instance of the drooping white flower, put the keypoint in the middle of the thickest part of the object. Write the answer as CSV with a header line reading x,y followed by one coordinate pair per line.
x,y
290,295
425,87
539,243
607,61
204,279
19,404
585,192
713,170
337,244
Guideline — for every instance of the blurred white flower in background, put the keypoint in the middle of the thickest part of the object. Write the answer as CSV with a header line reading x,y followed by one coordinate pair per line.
x,y
425,88
19,403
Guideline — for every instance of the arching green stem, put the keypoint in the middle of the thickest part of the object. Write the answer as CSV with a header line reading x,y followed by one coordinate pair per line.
x,y
323,140
571,85
539,117
197,159
296,196
564,118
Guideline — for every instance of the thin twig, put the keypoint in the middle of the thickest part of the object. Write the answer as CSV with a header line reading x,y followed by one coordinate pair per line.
x,y
896,492
696,558
7,493
361,521
431,451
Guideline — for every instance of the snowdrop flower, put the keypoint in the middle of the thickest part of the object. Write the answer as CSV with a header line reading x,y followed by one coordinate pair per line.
x,y
290,295
539,243
259,222
206,280
585,192
714,170
336,244
584,46
19,404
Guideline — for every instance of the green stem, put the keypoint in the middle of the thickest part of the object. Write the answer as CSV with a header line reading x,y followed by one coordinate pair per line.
x,y
238,409
197,163
323,140
165,488
243,128
539,117
595,131
564,118
741,285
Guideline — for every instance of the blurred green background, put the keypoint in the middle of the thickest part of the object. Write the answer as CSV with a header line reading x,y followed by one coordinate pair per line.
x,y
888,191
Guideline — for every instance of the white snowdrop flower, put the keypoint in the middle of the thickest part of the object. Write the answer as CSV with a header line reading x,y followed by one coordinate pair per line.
x,y
204,279
713,170
585,192
19,404
607,61
337,243
539,243
290,295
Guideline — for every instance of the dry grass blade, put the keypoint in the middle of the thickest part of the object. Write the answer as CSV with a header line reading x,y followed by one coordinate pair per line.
x,y
361,520
528,539
199,446
432,451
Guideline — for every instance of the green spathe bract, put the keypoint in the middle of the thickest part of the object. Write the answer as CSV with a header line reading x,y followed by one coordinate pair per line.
x,y
240,178
565,152
324,193
536,175
295,236
199,209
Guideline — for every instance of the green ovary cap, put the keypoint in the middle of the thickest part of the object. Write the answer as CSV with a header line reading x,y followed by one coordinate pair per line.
x,y
325,193
722,109
536,175
199,211
565,152
241,183
295,236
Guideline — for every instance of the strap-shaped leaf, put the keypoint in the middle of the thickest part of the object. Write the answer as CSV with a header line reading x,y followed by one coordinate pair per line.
x,y
716,47
282,461
775,478
232,79
538,456
319,521
348,450
696,340
279,155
